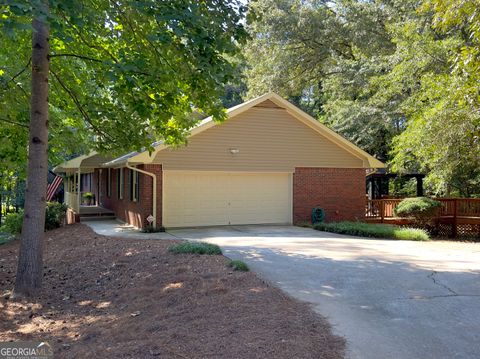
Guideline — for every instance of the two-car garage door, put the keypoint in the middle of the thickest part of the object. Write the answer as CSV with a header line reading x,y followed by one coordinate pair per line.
x,y
223,198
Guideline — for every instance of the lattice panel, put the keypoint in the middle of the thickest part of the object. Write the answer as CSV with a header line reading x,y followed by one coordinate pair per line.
x,y
468,230
444,230
464,231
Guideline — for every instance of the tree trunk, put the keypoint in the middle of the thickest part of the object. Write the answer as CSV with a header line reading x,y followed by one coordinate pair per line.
x,y
30,263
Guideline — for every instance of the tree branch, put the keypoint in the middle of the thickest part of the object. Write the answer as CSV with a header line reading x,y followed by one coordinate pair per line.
x,y
77,56
22,70
18,74
80,107
13,122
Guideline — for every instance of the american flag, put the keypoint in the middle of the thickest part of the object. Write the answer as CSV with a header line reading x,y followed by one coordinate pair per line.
x,y
52,187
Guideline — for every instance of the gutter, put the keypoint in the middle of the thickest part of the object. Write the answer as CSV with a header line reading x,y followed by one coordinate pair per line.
x,y
154,199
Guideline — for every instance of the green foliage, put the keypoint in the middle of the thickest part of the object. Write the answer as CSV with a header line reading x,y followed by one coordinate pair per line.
x,y
321,57
403,187
304,224
422,209
238,266
195,248
13,223
5,238
122,75
374,230
397,78
151,229
54,215
54,218
88,195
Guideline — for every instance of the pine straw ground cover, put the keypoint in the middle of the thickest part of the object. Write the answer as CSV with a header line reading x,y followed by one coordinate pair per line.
x,y
123,298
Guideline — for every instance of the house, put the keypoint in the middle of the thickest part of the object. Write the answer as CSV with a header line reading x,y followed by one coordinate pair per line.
x,y
269,162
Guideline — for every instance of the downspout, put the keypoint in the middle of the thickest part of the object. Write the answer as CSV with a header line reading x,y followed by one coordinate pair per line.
x,y
154,199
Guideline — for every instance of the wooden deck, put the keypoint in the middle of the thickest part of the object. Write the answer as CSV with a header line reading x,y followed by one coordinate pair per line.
x,y
457,217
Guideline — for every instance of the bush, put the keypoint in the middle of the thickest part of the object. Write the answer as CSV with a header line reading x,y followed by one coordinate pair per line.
x,y
5,238
238,265
151,229
422,209
54,216
417,207
88,195
13,223
304,224
195,248
88,198
374,230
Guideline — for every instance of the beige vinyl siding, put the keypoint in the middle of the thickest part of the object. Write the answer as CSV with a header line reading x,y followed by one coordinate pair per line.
x,y
268,140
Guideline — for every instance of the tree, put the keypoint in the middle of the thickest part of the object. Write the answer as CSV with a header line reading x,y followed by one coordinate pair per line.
x,y
122,74
321,55
397,78
440,54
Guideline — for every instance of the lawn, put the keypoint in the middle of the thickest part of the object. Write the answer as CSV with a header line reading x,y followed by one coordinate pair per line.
x,y
113,297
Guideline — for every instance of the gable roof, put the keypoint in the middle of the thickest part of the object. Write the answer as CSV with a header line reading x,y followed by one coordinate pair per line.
x,y
269,99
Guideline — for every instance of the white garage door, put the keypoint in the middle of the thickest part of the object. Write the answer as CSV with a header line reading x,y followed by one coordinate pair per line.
x,y
219,198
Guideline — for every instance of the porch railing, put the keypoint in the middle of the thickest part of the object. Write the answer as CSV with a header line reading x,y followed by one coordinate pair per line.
x,y
71,200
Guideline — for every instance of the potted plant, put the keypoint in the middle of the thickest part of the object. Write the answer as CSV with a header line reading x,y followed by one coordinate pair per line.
x,y
88,198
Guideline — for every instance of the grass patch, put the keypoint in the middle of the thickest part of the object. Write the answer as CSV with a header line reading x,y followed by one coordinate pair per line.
x,y
374,230
238,265
195,248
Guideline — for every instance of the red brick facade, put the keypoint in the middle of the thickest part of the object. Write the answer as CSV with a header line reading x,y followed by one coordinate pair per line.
x,y
339,191
133,212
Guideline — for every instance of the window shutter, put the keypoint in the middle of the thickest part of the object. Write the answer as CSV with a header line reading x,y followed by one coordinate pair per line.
x,y
137,186
130,184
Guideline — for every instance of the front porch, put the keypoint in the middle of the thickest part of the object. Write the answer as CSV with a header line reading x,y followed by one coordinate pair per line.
x,y
79,180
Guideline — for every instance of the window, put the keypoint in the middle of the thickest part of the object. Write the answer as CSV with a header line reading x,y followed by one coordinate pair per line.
x,y
120,183
109,182
134,185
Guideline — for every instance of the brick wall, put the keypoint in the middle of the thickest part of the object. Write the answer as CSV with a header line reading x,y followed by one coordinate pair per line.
x,y
339,191
127,210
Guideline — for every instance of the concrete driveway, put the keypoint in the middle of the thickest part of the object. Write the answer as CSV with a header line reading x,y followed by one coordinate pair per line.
x,y
390,299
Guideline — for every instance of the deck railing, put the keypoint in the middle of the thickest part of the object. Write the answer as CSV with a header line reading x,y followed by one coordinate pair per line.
x,y
454,211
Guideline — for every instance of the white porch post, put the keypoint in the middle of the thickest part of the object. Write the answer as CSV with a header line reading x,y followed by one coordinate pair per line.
x,y
78,190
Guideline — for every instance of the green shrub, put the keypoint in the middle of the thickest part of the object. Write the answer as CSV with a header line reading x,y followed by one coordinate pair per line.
x,y
421,209
151,229
13,223
54,216
238,265
88,195
304,224
5,238
195,248
374,230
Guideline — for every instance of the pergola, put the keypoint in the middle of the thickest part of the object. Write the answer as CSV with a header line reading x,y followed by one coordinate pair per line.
x,y
378,183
